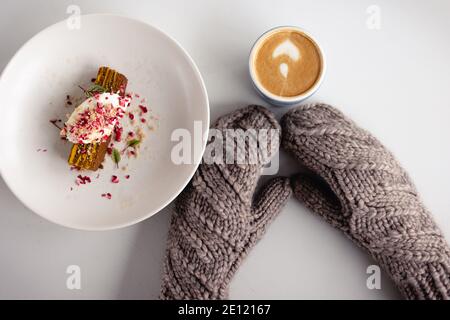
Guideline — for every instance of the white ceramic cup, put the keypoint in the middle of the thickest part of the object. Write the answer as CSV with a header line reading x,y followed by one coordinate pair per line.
x,y
280,100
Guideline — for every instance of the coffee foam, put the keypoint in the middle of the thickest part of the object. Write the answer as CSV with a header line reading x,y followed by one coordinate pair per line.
x,y
287,63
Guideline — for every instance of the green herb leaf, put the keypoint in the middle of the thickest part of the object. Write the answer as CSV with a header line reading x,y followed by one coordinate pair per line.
x,y
131,144
93,90
116,157
134,143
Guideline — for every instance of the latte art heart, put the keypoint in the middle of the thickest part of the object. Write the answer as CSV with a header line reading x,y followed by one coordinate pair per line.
x,y
284,69
287,48
287,63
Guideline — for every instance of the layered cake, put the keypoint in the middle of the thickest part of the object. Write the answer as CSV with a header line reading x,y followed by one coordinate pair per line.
x,y
92,123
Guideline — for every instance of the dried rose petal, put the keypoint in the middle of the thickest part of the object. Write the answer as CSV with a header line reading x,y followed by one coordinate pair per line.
x,y
118,133
107,196
82,179
143,108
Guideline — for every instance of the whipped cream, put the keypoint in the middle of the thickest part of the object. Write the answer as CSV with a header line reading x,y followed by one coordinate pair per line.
x,y
95,119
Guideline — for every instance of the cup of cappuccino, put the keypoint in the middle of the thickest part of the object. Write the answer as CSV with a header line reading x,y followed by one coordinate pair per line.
x,y
286,65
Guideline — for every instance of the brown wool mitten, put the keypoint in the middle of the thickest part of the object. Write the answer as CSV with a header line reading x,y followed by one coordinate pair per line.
x,y
217,220
360,188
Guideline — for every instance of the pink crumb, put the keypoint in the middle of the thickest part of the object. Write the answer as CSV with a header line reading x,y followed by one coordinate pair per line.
x,y
143,108
82,179
118,133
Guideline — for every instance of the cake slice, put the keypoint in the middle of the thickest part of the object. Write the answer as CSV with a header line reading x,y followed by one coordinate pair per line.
x,y
91,155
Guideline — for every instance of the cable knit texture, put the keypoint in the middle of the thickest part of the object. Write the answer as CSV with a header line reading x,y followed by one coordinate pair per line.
x,y
217,221
359,188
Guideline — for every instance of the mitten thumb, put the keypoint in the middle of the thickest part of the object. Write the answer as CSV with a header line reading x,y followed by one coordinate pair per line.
x,y
318,197
269,202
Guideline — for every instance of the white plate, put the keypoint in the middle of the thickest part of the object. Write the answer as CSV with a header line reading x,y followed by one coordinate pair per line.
x,y
33,90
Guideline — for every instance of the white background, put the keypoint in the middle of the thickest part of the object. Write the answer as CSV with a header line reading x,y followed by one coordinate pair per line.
x,y
393,81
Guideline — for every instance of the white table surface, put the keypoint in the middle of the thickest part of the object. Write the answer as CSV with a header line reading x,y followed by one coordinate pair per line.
x,y
394,81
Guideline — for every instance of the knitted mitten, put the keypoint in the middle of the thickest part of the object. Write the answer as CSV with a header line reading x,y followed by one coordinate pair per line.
x,y
217,221
363,191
